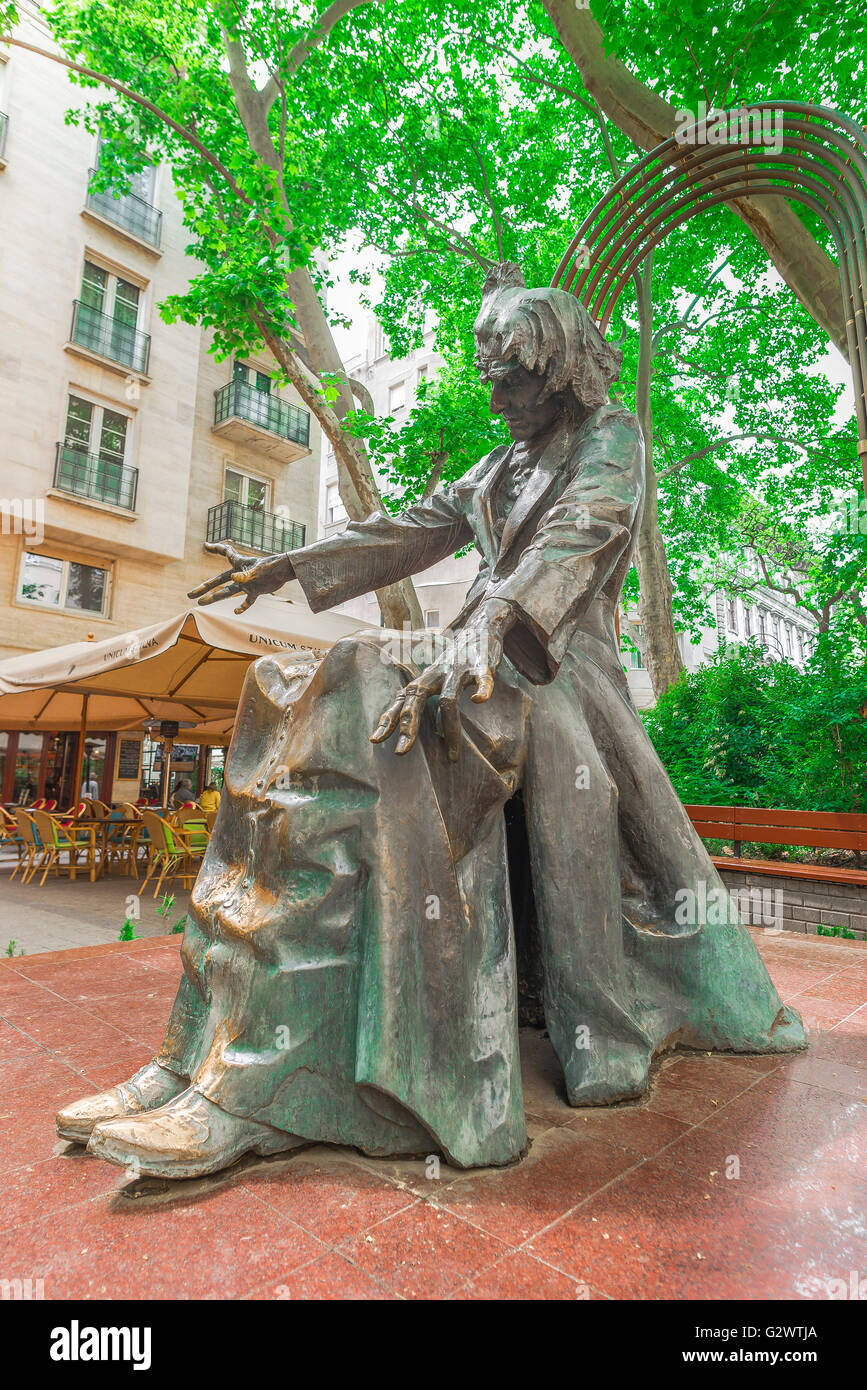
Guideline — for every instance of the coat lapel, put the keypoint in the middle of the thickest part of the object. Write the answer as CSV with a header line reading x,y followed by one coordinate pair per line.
x,y
483,516
550,465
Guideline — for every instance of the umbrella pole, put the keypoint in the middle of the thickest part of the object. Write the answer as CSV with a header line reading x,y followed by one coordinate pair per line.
x,y
168,744
79,757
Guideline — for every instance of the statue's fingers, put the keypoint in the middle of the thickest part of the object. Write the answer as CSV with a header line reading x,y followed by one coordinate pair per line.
x,y
410,715
210,584
225,591
249,600
223,548
388,721
484,685
450,718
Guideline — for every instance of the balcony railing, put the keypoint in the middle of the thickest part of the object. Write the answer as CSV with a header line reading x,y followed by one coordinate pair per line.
x,y
4,126
110,337
244,402
127,210
89,475
233,521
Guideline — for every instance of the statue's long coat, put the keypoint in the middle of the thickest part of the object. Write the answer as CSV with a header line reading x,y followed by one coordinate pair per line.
x,y
350,962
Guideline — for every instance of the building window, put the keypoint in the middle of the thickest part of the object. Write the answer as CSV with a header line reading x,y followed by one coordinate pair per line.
x,y
763,627
91,460
733,614
109,294
106,318
244,488
260,381
334,509
432,617
421,375
52,583
748,622
396,396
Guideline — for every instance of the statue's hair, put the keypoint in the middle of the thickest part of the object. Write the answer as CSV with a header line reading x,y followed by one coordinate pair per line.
x,y
547,331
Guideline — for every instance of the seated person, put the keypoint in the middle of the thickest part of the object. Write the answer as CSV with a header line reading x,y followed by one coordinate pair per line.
x,y
350,954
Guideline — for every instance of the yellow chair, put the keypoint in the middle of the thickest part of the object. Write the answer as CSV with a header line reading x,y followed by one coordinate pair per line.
x,y
172,845
32,847
11,835
60,839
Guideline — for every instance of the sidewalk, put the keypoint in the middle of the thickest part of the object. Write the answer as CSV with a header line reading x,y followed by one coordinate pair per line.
x,y
60,916
636,1202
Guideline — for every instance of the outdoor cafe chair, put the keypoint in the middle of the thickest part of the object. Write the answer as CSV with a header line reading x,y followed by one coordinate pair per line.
x,y
133,839
70,840
32,847
170,846
11,835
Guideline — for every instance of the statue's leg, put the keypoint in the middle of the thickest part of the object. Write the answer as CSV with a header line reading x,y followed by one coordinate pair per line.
x,y
698,978
572,820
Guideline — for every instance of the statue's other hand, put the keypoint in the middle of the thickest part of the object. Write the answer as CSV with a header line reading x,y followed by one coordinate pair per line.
x,y
246,575
473,658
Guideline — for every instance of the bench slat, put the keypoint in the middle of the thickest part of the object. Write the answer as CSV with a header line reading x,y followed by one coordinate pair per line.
x,y
815,839
816,820
817,873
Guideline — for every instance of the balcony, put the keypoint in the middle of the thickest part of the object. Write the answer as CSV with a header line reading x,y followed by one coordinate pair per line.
x,y
262,421
4,126
128,212
110,338
234,521
99,479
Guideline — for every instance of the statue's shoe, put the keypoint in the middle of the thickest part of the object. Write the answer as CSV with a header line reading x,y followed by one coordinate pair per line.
x,y
151,1087
187,1138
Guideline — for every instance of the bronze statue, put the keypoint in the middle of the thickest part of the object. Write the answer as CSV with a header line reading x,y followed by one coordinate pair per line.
x,y
350,961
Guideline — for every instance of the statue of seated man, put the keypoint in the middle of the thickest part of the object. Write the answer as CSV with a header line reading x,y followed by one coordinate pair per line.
x,y
350,958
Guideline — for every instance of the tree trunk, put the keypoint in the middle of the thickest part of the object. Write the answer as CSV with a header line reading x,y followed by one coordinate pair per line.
x,y
660,652
356,484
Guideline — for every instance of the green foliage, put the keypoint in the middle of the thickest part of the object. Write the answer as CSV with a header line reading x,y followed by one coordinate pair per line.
x,y
445,136
835,931
746,731
128,931
12,949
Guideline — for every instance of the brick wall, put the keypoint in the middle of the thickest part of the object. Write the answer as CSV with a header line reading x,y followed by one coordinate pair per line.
x,y
806,905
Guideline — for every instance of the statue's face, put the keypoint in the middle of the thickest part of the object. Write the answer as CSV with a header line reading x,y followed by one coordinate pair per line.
x,y
516,394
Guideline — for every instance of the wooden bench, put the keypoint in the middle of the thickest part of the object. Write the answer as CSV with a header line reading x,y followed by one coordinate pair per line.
x,y
815,829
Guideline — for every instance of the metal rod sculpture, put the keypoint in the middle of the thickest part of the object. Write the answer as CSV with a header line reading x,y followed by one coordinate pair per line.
x,y
821,164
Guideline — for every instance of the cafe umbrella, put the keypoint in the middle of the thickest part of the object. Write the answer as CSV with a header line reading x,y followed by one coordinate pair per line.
x,y
186,670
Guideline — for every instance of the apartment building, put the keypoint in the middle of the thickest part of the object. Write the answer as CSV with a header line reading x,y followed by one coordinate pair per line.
x,y
124,444
772,619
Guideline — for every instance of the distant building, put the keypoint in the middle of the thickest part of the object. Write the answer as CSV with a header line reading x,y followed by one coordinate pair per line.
x,y
393,386
772,619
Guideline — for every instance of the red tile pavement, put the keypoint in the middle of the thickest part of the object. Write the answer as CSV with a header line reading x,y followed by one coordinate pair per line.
x,y
736,1177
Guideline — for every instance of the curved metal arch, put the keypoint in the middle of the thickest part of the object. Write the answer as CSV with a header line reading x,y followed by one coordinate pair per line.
x,y
822,165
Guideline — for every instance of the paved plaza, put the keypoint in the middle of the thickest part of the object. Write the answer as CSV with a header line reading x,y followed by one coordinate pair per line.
x,y
736,1177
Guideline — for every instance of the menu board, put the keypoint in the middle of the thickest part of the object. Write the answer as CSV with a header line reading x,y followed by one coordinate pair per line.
x,y
128,759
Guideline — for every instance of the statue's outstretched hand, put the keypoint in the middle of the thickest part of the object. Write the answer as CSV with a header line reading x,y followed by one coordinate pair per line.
x,y
246,575
471,658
